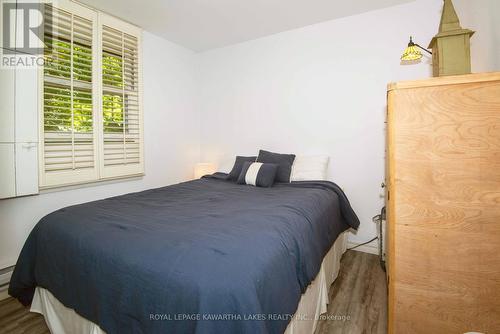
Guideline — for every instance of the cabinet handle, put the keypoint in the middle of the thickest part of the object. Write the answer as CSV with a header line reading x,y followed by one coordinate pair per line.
x,y
382,185
29,146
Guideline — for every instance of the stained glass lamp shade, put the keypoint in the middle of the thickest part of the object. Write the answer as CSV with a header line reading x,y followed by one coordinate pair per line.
x,y
412,52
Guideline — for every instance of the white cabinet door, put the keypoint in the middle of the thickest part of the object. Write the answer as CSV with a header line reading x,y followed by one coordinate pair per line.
x,y
7,171
26,169
26,124
7,80
26,105
7,126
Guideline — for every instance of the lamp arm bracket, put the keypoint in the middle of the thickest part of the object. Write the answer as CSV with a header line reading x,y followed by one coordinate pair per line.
x,y
429,52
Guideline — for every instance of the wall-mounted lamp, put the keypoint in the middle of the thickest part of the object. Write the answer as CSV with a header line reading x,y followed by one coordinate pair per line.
x,y
412,53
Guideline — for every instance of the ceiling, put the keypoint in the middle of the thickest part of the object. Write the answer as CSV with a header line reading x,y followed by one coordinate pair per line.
x,y
201,25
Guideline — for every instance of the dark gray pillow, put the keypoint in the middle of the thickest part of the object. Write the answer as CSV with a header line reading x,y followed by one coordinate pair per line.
x,y
284,162
238,165
258,174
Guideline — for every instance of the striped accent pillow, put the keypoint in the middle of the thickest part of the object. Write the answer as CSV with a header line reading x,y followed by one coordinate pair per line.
x,y
238,165
258,174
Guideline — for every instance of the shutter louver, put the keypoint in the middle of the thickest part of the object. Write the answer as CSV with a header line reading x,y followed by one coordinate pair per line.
x,y
120,103
69,142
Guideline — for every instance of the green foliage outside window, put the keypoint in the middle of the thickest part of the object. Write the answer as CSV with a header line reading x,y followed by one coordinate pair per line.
x,y
57,94
58,54
57,114
112,67
112,110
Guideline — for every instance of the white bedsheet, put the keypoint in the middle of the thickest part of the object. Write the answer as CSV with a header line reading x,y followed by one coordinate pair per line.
x,y
63,320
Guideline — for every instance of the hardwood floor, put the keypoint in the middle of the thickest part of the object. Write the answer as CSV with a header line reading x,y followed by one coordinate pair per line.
x,y
358,302
360,295
16,319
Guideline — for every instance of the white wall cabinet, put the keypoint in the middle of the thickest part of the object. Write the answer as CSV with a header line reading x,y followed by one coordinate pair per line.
x,y
18,132
19,119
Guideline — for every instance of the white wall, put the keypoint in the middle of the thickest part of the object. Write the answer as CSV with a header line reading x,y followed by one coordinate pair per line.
x,y
322,89
482,17
171,126
319,89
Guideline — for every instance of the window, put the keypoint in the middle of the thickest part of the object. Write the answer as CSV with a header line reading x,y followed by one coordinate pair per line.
x,y
120,101
91,126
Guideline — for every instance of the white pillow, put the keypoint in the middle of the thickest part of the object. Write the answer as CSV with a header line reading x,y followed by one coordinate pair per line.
x,y
309,168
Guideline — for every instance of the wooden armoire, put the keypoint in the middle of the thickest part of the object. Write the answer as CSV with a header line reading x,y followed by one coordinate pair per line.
x,y
443,205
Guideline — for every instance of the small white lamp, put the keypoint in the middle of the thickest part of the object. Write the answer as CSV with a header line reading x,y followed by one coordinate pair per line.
x,y
203,168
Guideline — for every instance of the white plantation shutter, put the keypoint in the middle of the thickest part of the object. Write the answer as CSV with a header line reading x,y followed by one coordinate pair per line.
x,y
121,113
68,151
91,123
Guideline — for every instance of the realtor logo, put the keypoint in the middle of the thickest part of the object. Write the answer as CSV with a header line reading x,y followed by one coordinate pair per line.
x,y
23,29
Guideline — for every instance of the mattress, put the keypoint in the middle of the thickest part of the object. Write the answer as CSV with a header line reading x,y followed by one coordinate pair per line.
x,y
63,320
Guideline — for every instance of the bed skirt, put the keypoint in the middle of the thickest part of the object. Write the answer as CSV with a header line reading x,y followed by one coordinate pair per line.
x,y
313,303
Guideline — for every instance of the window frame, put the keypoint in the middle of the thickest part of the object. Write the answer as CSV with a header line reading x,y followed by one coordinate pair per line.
x,y
99,173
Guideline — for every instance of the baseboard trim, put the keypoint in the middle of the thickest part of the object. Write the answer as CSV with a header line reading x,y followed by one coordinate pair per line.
x,y
4,295
368,248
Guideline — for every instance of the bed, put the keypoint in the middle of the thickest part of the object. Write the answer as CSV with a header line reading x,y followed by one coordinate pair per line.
x,y
204,256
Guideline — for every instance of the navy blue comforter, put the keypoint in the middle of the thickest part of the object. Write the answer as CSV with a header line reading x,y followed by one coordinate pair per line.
x,y
205,256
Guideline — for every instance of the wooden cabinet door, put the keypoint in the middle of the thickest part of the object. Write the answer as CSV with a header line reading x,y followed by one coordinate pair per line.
x,y
445,203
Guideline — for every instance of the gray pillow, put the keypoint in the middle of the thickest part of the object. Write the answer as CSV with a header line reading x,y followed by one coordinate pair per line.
x,y
284,162
238,165
258,174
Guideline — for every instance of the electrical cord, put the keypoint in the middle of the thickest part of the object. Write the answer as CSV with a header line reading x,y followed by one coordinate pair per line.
x,y
381,243
364,243
378,219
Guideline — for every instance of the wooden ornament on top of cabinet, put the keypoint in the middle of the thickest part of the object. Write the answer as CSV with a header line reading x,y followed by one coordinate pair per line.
x,y
451,46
